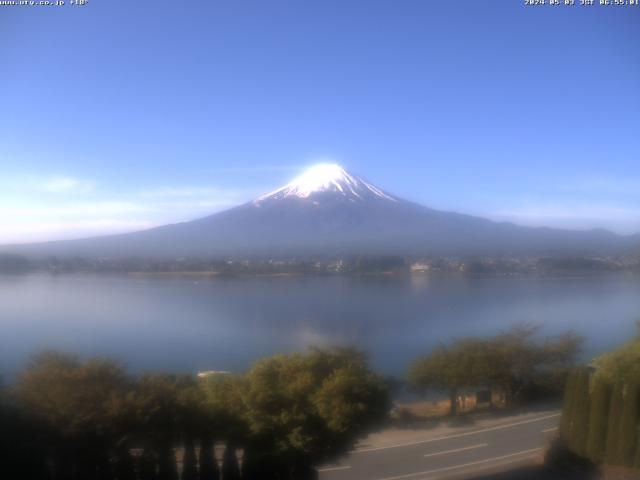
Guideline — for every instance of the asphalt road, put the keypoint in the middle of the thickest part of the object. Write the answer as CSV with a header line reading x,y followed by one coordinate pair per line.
x,y
462,453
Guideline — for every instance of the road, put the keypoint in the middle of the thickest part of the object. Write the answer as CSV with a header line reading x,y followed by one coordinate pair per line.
x,y
461,453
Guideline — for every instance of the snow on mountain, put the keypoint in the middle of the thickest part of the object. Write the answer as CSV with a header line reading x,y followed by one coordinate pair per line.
x,y
327,178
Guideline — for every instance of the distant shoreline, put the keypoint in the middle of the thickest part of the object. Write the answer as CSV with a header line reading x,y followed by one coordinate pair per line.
x,y
196,274
214,275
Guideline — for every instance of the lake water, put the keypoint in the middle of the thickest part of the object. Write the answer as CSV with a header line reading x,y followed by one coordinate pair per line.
x,y
224,324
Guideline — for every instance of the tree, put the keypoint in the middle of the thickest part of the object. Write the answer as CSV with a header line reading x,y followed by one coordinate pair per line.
x,y
168,409
520,360
207,460
636,461
615,414
146,465
628,434
465,363
622,368
22,446
230,467
580,414
288,413
567,408
304,409
623,364
82,405
598,416
511,361
223,407
189,460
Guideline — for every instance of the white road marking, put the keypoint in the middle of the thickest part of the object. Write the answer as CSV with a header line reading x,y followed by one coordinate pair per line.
x,y
333,469
462,465
457,435
552,429
480,445
482,467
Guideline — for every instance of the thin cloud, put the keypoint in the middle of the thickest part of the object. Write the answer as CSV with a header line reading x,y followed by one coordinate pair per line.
x,y
64,184
257,169
604,184
191,191
612,217
41,231
73,209
32,219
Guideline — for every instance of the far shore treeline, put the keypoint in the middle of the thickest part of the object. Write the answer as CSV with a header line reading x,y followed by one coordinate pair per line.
x,y
69,419
12,263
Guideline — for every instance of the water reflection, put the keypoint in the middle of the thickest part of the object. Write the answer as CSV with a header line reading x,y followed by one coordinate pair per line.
x,y
224,324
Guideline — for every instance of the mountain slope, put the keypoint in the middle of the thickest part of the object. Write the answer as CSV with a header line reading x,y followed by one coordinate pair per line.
x,y
328,211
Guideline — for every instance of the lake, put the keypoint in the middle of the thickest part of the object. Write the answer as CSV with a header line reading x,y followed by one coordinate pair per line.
x,y
189,325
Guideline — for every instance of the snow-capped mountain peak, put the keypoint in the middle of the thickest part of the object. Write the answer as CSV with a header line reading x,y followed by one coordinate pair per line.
x,y
324,178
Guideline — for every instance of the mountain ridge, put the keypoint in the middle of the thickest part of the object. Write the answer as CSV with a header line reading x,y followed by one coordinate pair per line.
x,y
329,211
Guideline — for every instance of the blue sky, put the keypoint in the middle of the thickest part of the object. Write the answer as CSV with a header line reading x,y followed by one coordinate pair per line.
x,y
121,115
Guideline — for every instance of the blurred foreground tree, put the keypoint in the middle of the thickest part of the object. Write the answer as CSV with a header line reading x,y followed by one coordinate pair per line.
x,y
598,415
83,407
89,420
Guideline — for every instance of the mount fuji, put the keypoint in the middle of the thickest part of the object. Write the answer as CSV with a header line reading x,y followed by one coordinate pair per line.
x,y
329,211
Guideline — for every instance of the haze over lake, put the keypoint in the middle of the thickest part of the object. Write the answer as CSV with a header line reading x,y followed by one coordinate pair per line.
x,y
189,325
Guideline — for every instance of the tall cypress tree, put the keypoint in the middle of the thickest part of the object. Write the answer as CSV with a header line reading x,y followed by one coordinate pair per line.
x,y
627,437
230,467
189,466
598,417
167,468
147,465
636,462
208,463
567,408
580,419
251,467
124,469
615,414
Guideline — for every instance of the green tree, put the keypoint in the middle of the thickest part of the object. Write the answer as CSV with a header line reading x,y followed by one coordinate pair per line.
x,y
567,408
22,446
304,409
519,360
628,435
224,409
598,417
160,413
465,363
623,364
615,414
579,428
189,460
208,464
230,466
83,406
146,465
511,362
